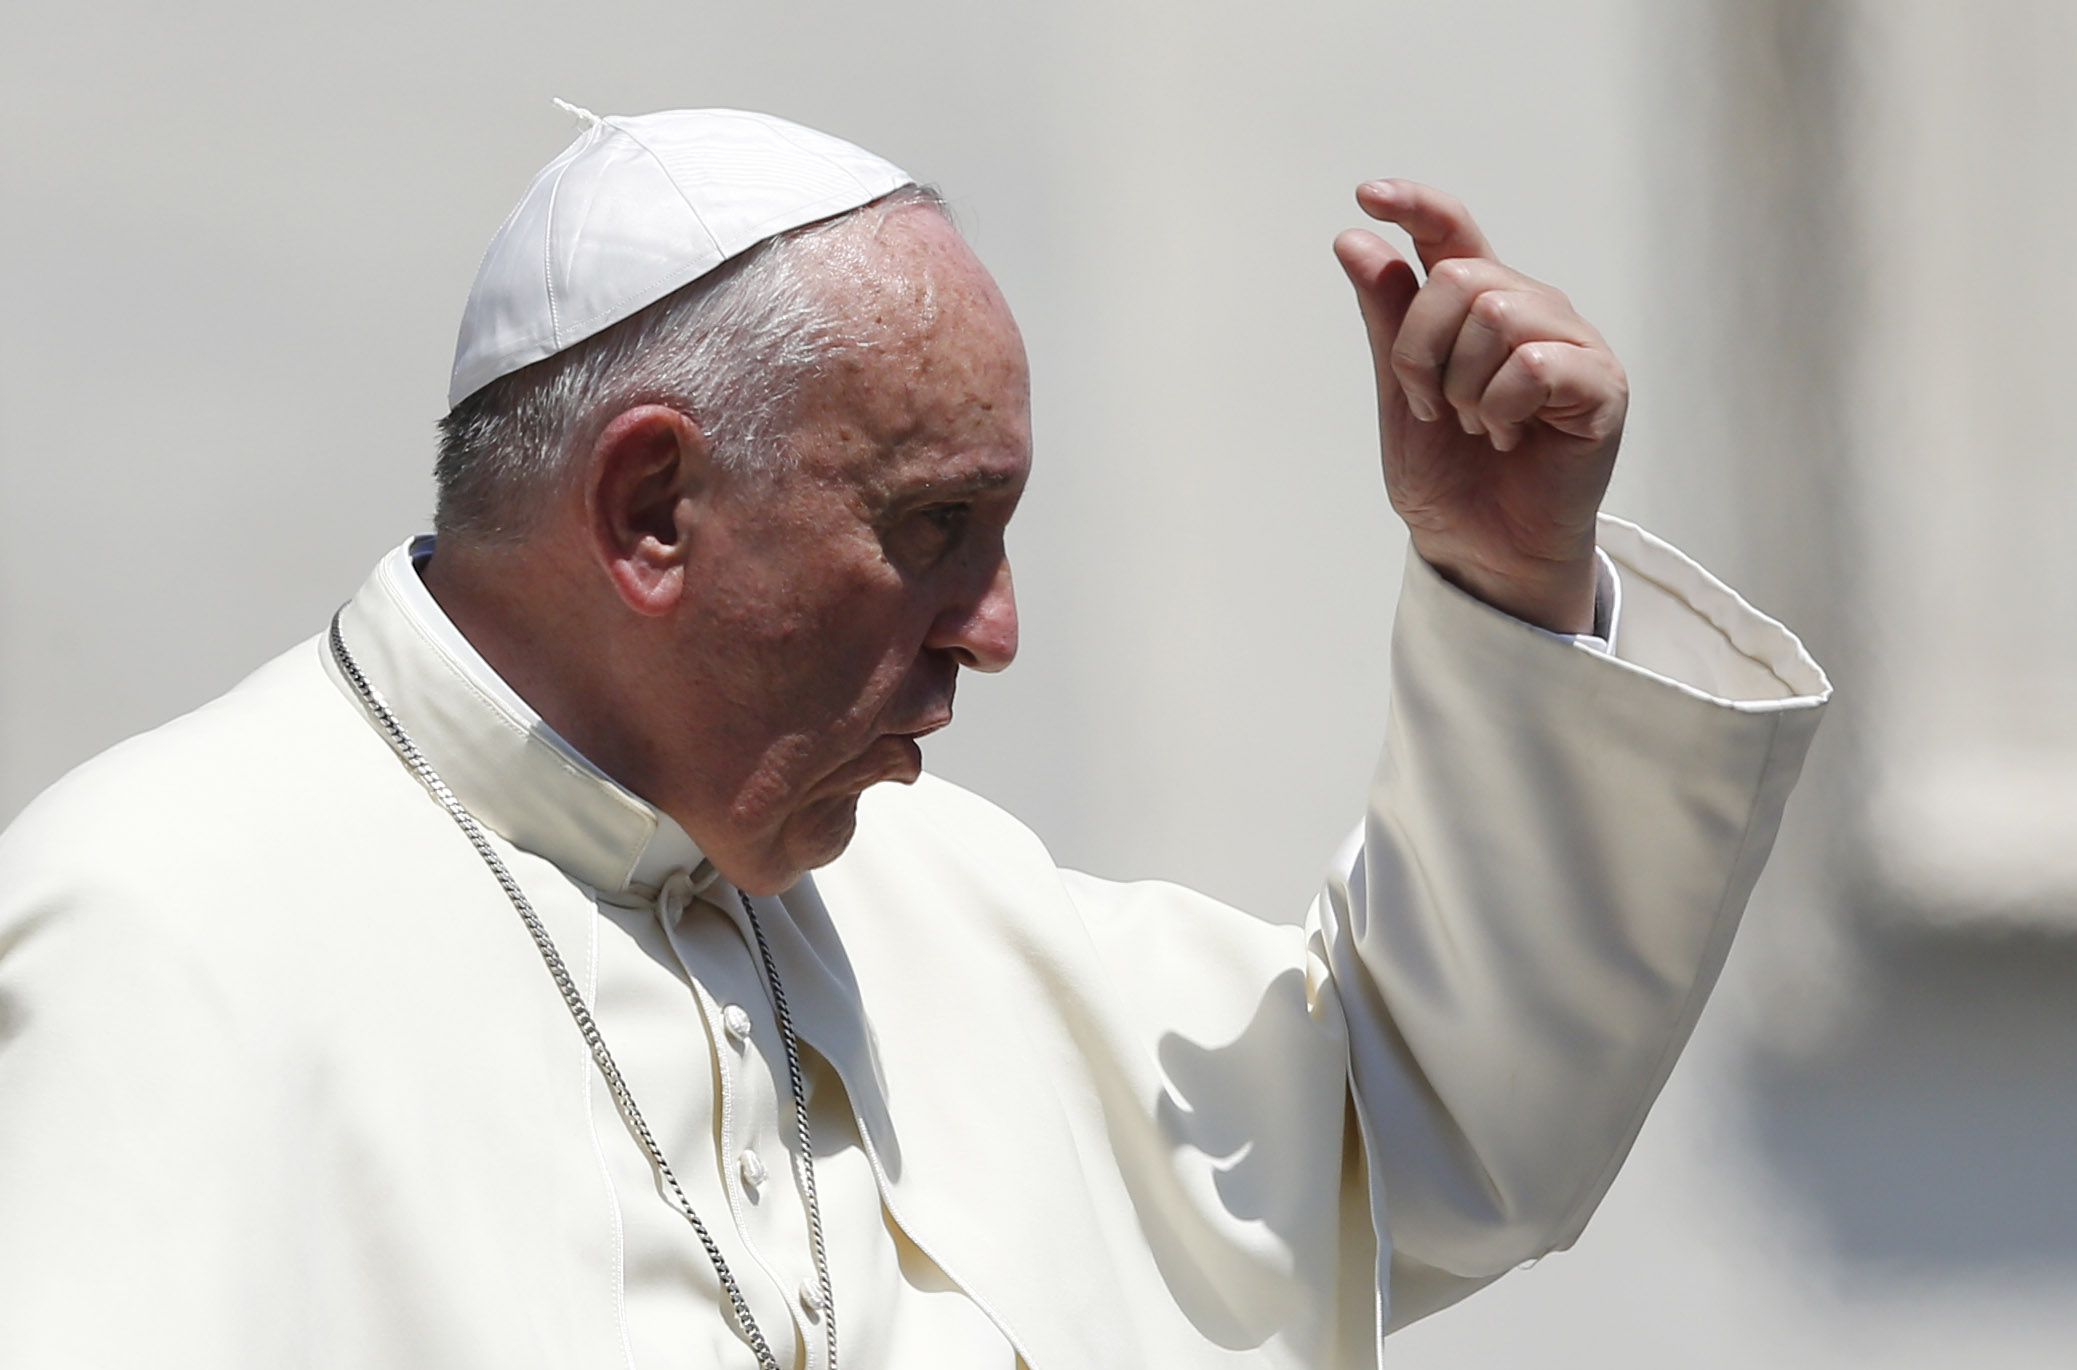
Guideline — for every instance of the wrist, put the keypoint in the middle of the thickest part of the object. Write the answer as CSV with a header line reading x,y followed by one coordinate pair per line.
x,y
1557,596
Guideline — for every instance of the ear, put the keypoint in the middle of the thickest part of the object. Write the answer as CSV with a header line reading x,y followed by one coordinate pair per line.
x,y
650,474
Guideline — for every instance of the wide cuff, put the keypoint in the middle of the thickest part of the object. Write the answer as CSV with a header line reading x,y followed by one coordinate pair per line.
x,y
1560,845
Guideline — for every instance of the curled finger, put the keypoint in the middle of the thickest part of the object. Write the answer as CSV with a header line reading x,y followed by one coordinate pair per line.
x,y
1428,335
1578,390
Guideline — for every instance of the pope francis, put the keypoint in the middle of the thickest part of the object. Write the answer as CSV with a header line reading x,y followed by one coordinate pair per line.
x,y
532,969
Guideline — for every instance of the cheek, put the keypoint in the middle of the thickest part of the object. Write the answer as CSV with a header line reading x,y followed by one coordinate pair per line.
x,y
818,695
815,639
790,644
845,658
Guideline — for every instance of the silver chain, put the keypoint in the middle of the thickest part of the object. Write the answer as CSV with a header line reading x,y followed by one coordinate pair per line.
x,y
804,1161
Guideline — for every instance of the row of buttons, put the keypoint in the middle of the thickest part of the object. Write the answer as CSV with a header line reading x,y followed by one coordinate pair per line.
x,y
678,892
751,1167
736,1023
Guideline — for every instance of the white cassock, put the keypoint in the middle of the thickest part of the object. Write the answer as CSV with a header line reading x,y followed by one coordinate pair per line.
x,y
284,1083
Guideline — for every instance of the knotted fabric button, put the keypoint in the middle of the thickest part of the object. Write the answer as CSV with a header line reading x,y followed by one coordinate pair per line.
x,y
678,892
736,1023
751,1167
811,1298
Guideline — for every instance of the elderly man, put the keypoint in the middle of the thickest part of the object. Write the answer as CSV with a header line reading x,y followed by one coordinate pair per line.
x,y
533,970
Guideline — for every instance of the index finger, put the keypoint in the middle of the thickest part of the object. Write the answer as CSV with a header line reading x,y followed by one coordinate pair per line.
x,y
1439,224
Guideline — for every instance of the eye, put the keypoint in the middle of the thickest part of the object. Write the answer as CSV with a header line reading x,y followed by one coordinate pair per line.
x,y
949,519
930,533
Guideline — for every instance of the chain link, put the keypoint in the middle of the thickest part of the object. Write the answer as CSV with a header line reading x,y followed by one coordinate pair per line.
x,y
804,1163
566,984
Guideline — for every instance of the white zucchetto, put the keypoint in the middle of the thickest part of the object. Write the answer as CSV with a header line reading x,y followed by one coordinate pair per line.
x,y
637,207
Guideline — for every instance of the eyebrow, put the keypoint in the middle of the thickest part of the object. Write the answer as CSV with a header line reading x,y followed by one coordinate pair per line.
x,y
975,482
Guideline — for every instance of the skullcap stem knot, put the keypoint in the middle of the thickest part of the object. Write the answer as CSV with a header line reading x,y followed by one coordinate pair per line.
x,y
585,116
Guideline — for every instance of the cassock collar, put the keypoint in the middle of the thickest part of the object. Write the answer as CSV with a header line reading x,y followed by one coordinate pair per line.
x,y
507,766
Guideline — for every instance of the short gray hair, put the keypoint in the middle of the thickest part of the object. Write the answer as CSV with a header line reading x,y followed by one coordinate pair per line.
x,y
731,350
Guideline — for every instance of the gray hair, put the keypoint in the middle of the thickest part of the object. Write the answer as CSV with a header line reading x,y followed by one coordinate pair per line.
x,y
731,350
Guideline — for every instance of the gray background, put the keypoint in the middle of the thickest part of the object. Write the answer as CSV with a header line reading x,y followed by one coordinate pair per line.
x,y
1830,239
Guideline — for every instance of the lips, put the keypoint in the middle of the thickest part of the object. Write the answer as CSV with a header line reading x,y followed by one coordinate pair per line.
x,y
911,759
891,756
925,730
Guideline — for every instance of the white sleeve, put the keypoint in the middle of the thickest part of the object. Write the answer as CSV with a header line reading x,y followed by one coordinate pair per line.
x,y
1559,845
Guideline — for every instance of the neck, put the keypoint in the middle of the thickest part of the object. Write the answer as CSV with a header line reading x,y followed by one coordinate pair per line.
x,y
527,622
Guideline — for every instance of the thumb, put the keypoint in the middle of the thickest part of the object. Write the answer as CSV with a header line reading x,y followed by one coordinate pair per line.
x,y
1385,286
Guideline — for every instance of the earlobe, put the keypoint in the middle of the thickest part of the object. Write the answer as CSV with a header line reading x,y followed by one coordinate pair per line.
x,y
648,478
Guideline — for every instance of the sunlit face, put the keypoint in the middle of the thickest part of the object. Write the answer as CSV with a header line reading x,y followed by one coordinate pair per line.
x,y
831,607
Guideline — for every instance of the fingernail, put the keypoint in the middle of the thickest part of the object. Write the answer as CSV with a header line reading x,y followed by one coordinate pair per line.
x,y
1469,423
1421,409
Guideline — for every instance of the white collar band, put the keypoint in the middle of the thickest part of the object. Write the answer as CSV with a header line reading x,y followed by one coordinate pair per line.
x,y
519,777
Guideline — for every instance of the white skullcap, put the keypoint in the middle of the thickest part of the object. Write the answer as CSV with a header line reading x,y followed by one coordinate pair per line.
x,y
637,207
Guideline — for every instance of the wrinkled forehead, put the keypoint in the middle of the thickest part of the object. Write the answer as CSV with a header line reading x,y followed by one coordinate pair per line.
x,y
906,270
925,386
919,322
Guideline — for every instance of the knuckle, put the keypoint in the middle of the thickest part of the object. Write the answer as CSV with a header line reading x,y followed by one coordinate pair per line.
x,y
1410,358
1604,423
1458,272
1496,310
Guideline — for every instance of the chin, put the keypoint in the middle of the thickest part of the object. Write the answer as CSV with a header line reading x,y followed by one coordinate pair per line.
x,y
813,837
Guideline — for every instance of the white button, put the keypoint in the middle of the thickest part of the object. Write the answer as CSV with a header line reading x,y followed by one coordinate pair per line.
x,y
811,1298
735,1022
751,1168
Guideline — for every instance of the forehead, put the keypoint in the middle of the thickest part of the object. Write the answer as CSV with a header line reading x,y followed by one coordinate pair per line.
x,y
925,382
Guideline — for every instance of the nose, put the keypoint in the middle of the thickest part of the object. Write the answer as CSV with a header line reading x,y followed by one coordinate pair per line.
x,y
981,633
